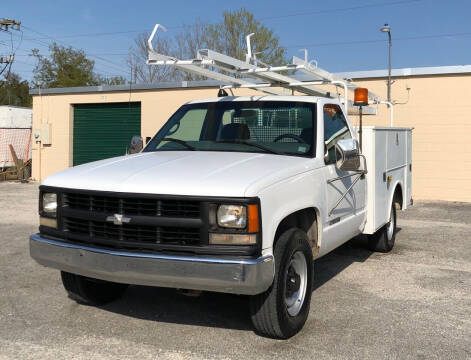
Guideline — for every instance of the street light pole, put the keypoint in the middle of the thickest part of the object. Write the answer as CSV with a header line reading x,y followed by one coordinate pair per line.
x,y
387,29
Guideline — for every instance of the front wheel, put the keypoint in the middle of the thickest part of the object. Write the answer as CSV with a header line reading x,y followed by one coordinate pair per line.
x,y
383,240
281,311
90,291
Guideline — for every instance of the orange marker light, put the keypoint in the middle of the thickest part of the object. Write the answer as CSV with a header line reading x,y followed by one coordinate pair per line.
x,y
361,97
254,225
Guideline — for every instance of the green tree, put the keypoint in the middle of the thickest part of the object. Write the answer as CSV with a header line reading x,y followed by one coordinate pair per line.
x,y
226,36
137,57
113,80
14,91
65,67
229,35
192,38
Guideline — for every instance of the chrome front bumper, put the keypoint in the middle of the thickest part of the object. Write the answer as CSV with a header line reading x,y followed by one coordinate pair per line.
x,y
236,276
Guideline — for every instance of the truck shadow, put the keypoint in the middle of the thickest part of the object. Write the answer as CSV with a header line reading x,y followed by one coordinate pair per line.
x,y
222,310
330,265
169,306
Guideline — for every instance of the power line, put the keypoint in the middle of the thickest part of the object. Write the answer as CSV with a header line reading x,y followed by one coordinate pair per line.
x,y
30,65
304,13
45,37
334,43
45,44
92,34
37,42
23,62
116,65
350,8
99,66
54,39
353,42
313,12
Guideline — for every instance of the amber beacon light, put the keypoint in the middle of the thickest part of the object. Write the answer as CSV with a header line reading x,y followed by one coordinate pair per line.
x,y
361,97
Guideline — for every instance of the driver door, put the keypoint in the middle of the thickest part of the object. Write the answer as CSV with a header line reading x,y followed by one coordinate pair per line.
x,y
345,220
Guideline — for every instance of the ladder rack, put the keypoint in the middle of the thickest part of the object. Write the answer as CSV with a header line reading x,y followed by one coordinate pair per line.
x,y
247,74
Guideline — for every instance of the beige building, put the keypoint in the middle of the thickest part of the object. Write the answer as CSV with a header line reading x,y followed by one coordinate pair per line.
x,y
434,101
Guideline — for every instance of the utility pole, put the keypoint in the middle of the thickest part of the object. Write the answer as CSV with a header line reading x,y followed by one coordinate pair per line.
x,y
387,29
7,59
5,24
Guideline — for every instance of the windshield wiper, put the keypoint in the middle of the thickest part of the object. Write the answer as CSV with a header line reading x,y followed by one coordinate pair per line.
x,y
250,143
181,142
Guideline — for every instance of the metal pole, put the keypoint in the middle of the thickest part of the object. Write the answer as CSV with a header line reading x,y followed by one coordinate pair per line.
x,y
389,67
360,132
391,110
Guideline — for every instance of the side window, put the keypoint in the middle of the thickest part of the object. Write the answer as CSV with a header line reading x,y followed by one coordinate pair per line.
x,y
335,129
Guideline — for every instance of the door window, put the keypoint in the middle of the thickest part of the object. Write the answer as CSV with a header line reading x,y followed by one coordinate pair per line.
x,y
335,129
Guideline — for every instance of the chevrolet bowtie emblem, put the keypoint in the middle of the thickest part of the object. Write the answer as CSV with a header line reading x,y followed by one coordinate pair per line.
x,y
118,219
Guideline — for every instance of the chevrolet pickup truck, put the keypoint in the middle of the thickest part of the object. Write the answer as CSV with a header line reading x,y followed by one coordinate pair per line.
x,y
233,194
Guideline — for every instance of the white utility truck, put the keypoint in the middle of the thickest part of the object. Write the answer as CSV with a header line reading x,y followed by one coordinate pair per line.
x,y
233,194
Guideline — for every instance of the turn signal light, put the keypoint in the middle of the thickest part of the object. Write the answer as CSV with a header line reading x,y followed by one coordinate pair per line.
x,y
254,225
44,221
232,239
361,97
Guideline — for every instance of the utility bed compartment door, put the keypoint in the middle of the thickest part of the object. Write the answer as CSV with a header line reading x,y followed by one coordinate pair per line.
x,y
388,154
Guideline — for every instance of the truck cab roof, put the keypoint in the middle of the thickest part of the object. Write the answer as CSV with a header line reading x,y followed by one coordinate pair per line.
x,y
295,98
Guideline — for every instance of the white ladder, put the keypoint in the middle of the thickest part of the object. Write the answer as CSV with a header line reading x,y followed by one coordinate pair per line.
x,y
261,78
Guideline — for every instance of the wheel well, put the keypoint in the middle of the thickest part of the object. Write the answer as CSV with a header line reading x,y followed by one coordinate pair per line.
x,y
306,220
397,197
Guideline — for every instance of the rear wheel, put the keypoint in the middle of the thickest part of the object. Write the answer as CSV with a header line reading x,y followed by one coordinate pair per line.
x,y
281,311
383,240
90,291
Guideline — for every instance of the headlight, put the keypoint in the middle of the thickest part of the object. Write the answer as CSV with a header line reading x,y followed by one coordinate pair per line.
x,y
232,216
49,204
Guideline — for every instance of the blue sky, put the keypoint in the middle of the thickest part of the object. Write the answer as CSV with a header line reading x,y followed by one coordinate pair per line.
x,y
342,35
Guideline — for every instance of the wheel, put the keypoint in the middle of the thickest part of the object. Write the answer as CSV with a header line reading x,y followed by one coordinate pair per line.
x,y
383,239
281,311
90,291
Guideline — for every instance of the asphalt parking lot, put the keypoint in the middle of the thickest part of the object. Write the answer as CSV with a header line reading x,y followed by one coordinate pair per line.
x,y
414,303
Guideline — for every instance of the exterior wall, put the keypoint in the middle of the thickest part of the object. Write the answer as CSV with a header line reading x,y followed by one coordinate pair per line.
x,y
15,117
15,129
438,109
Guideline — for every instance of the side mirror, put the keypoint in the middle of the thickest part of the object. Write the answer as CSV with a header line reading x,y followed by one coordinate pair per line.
x,y
347,155
136,145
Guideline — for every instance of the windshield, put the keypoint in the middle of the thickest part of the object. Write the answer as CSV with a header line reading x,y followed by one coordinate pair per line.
x,y
277,127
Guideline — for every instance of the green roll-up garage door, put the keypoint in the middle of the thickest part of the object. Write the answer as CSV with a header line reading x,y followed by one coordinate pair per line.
x,y
104,130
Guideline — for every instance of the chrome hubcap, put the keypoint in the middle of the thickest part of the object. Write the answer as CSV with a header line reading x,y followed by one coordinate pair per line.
x,y
296,283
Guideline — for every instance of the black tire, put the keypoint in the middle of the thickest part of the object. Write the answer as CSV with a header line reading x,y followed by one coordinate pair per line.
x,y
269,311
383,240
90,291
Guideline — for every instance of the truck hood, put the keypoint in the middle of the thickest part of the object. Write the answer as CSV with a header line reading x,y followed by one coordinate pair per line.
x,y
183,173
